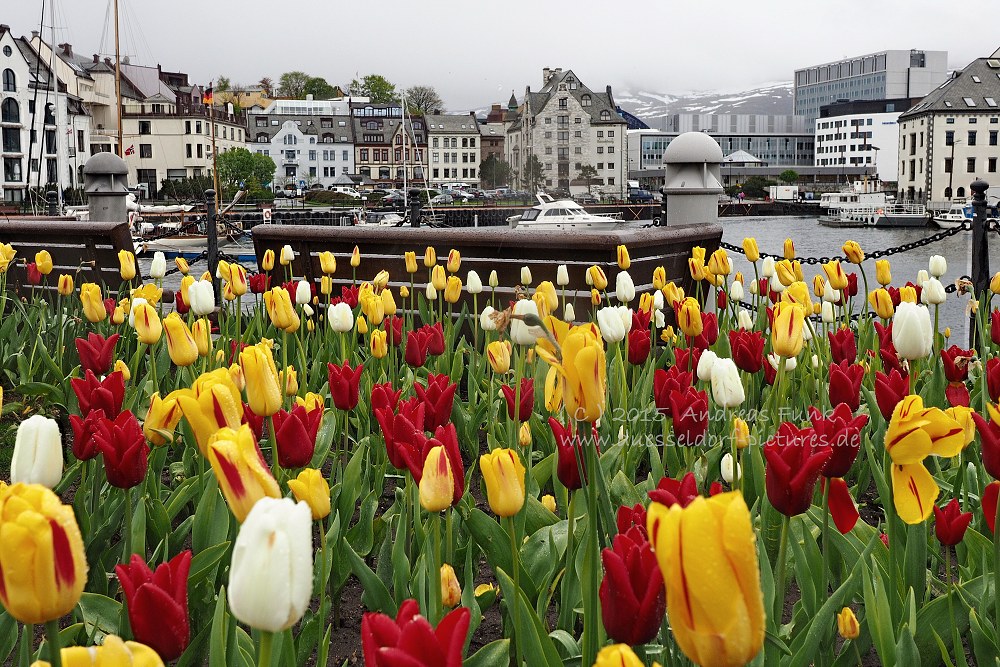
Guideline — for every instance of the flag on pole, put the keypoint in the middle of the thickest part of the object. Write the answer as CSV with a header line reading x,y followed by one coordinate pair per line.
x,y
130,150
207,97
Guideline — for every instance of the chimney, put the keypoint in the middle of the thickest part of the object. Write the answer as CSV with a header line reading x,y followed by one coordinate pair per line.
x,y
546,73
4,28
97,59
67,49
35,34
496,107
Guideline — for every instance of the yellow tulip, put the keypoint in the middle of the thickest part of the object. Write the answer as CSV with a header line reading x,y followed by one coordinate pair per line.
x,y
325,285
672,294
312,488
963,417
7,255
148,291
697,269
797,270
451,591
908,293
624,261
238,280
356,257
853,251
741,433
126,261
786,274
410,259
553,391
453,289
388,302
212,403
181,346
43,567
786,332
182,265
201,330
236,375
378,344
819,285
112,653
373,309
659,278
280,309
789,249
719,264
598,279
93,303
122,368
798,293
548,501
43,262
524,434
267,263
548,292
595,297
437,483
243,478
584,371
381,280
454,261
263,392
750,249
881,303
311,401
847,624
361,326
503,473
147,324
689,317
162,417
438,278
430,257
645,302
995,283
289,379
835,274
65,284
498,354
708,558
327,262
118,316
698,253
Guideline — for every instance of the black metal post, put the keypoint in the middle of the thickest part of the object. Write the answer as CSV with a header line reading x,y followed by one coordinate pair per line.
x,y
213,244
51,199
980,248
414,207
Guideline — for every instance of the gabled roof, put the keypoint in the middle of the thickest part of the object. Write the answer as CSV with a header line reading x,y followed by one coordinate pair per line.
x,y
37,69
535,103
146,80
451,124
976,88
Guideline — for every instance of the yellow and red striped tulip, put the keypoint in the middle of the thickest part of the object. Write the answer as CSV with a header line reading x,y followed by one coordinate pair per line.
x,y
243,477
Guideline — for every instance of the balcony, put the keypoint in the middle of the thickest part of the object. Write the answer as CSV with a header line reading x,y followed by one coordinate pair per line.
x,y
290,162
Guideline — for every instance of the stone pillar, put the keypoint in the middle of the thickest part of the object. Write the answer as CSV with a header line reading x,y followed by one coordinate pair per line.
x,y
105,179
692,180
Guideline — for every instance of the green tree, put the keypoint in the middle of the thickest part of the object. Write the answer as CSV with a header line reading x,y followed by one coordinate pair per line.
x,y
375,87
292,84
318,87
423,99
588,173
266,84
494,171
788,176
222,83
185,189
531,175
756,187
239,165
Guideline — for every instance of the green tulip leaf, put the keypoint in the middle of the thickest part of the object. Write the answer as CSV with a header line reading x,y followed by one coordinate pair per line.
x,y
535,644
376,596
494,654
204,562
8,635
100,615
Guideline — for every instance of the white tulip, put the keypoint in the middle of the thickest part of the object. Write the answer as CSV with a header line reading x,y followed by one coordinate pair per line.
x,y
726,468
625,313
790,362
494,280
911,331
827,313
486,322
624,287
611,325
830,295
431,292
922,276
270,579
754,287
562,275
658,300
744,319
933,292
767,267
736,291
341,317
201,294
303,293
520,332
659,320
775,285
705,363
135,304
807,331
727,388
38,452
569,314
307,309
587,279
815,361
287,254
525,275
473,285
938,266
158,267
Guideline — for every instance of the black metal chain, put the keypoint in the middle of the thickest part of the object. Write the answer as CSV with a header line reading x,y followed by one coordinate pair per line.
x,y
198,258
172,232
878,254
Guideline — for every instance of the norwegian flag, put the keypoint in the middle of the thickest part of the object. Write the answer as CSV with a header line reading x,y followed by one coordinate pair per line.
x,y
130,150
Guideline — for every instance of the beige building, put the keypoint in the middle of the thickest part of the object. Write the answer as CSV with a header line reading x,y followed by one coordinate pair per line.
x,y
454,148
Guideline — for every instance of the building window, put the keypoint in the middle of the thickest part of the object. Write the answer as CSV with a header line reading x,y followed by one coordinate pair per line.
x,y
611,180
434,142
200,151
188,150
578,150
312,156
993,137
11,140
145,127
562,102
10,112
970,165
991,165
600,134
585,100
605,115
146,150
611,149
600,150
949,138
972,138
10,86
611,133
947,165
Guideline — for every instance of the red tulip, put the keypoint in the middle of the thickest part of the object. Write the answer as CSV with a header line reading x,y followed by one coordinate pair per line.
x,y
180,305
690,411
96,352
672,492
631,517
295,435
884,335
527,398
384,396
666,381
894,295
709,331
569,454
255,422
842,508
794,463
839,430
415,353
951,523
721,300
106,394
989,438
633,598
641,319
639,344
84,429
410,640
687,358
344,382
402,430
993,378
852,284
393,330
109,306
447,437
435,339
843,346
125,450
748,349
349,295
259,283
845,384
995,326
34,275
438,396
890,360
158,603
956,363
889,390
989,504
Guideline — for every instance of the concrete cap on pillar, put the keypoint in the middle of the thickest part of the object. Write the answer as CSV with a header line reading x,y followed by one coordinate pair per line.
x,y
693,147
100,172
979,188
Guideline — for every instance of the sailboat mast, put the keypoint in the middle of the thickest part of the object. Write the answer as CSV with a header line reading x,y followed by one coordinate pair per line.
x,y
118,84
215,163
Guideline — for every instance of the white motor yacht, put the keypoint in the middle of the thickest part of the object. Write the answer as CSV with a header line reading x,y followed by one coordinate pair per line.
x,y
956,216
552,213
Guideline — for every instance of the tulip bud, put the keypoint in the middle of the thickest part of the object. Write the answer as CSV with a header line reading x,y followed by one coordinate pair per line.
x,y
705,363
853,251
181,345
473,285
727,388
451,591
378,344
689,317
522,333
786,333
736,291
933,292
327,262
454,261
236,375
624,262
410,262
595,297
494,280
624,287
938,266
430,257
741,433
789,249
404,292
911,331
498,354
524,434
562,275
525,275
341,317
263,393
767,267
453,289
201,298
437,484
847,624
147,323
303,293
267,263
486,322
596,277
750,249
126,261
569,313
503,473
65,284
881,302
158,267
287,255
356,257
388,302
290,380
438,278
727,467
430,292
549,502
38,453
361,325
827,313
311,488
610,323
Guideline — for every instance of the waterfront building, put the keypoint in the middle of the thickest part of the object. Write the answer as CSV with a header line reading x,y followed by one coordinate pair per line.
x,y
454,148
567,126
885,75
950,137
861,133
390,147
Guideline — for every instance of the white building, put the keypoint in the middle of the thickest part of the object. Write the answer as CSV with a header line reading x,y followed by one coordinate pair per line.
x,y
861,134
950,137
453,148
567,126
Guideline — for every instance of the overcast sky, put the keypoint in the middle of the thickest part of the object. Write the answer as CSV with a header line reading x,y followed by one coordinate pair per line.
x,y
475,53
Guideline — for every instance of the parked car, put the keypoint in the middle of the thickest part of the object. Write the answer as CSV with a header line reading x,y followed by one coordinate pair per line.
x,y
587,199
394,199
637,196
442,199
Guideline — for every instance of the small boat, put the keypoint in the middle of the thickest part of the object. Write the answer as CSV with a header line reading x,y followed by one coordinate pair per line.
x,y
551,214
956,216
863,216
902,215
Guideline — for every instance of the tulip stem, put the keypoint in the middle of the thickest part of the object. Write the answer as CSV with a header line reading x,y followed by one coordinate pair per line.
x,y
955,637
826,538
152,368
273,441
566,615
779,577
127,525
55,650
434,574
513,606
996,566
264,649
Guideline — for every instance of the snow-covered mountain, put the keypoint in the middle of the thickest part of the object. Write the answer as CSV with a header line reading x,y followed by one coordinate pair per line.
x,y
772,98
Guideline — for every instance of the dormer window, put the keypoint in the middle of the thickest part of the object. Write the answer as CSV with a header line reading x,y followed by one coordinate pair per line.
x,y
585,100
605,115
372,125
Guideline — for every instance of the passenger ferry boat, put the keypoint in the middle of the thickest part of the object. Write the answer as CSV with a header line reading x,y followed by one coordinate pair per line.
x,y
553,214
